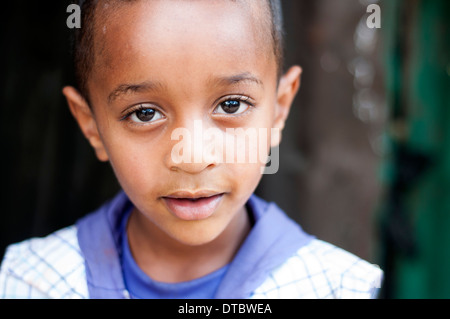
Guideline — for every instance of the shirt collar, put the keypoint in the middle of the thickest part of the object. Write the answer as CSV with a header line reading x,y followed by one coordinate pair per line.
x,y
99,240
273,238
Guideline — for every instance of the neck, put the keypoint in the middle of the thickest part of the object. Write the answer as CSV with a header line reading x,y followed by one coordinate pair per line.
x,y
167,260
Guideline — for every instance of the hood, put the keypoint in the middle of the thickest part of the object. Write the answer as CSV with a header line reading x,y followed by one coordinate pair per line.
x,y
272,240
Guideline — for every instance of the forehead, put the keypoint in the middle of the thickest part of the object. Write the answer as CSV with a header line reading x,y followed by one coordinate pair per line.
x,y
179,31
257,11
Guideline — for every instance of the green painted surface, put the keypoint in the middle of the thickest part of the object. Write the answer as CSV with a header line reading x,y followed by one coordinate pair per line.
x,y
417,57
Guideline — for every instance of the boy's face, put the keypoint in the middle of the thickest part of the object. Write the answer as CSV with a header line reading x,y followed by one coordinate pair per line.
x,y
164,65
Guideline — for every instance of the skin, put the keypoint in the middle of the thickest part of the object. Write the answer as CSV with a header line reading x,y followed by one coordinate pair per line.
x,y
191,55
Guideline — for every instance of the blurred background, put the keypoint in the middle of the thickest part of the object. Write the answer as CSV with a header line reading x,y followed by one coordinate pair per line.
x,y
365,157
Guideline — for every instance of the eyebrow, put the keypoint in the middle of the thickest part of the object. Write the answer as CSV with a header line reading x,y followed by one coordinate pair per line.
x,y
236,79
124,89
146,86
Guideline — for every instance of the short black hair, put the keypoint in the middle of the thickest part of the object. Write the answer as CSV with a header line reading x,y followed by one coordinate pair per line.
x,y
83,40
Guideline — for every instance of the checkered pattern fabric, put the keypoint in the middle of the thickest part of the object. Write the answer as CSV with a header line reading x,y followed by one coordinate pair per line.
x,y
320,270
50,267
53,267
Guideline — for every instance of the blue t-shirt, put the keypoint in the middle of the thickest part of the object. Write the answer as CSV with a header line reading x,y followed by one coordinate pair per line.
x,y
272,240
141,286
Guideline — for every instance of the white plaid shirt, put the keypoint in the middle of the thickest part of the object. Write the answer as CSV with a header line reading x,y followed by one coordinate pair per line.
x,y
54,267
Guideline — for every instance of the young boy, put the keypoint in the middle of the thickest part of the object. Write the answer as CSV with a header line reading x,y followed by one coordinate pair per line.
x,y
182,228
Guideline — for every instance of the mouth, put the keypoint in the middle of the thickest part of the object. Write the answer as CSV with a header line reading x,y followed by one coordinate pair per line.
x,y
193,205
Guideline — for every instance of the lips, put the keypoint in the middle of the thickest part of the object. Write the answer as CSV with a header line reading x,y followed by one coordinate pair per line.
x,y
193,206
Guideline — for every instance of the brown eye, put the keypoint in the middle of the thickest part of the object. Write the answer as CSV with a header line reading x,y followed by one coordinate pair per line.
x,y
232,107
145,115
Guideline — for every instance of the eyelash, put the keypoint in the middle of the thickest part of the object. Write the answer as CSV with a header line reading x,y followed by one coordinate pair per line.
x,y
239,98
137,108
143,106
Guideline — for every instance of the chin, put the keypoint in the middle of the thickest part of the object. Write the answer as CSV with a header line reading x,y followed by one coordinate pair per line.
x,y
200,236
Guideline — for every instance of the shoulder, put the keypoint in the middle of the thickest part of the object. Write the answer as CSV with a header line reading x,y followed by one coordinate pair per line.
x,y
322,270
48,267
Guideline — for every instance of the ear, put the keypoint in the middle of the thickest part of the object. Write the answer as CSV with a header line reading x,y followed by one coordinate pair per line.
x,y
86,120
287,89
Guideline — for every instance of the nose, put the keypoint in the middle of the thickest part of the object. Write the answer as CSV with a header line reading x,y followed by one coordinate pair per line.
x,y
192,151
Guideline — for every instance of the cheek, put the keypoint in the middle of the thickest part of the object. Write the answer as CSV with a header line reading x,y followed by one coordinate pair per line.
x,y
131,168
135,164
245,178
250,144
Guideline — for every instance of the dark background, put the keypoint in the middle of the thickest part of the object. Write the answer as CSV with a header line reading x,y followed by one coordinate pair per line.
x,y
345,157
50,174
